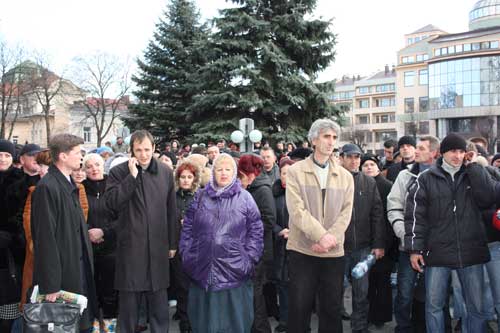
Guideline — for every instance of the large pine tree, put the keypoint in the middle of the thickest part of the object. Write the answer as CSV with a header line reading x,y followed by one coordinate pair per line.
x,y
264,59
165,72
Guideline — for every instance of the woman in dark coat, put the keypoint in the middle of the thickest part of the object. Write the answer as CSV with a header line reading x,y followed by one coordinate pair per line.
x,y
102,234
187,181
11,239
259,186
379,291
221,243
281,235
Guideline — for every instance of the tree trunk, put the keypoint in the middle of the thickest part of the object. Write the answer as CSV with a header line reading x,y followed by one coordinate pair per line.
x,y
47,125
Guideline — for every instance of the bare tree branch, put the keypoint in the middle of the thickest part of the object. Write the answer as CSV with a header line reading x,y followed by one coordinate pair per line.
x,y
106,81
11,59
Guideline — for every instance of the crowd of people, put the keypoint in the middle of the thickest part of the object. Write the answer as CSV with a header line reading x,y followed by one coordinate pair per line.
x,y
233,238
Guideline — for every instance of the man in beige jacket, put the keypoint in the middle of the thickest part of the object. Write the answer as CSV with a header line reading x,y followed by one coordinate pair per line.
x,y
319,196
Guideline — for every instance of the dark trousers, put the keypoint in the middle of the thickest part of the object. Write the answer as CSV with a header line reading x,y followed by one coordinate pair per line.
x,y
380,291
104,276
359,316
311,276
129,310
260,321
181,287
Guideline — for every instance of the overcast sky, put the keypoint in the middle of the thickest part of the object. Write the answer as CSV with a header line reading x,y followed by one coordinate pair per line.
x,y
369,32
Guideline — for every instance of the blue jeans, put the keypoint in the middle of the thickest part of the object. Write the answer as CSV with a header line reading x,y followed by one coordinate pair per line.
x,y
436,293
360,304
407,277
17,327
493,269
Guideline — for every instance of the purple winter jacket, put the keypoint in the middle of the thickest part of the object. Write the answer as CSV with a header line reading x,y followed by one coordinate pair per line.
x,y
222,238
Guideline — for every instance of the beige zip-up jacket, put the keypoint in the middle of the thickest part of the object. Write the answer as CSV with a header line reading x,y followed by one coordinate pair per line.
x,y
309,218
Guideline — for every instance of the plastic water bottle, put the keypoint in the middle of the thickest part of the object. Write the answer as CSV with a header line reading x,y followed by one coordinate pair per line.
x,y
363,266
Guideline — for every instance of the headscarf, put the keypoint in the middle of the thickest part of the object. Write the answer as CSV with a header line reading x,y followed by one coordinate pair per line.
x,y
219,190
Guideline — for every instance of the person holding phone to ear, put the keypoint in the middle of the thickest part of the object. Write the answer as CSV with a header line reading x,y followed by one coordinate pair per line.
x,y
445,233
141,192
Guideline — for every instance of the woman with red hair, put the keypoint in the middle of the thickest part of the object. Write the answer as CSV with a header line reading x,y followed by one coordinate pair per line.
x,y
187,181
260,187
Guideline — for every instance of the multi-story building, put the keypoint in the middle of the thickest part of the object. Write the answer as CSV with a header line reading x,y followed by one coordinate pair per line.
x,y
412,80
457,79
443,83
67,112
371,119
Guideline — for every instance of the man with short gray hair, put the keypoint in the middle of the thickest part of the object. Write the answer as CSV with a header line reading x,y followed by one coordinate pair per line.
x,y
319,197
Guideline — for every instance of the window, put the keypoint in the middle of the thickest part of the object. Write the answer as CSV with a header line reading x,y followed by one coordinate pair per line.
x,y
384,136
385,87
385,118
437,52
409,105
385,102
451,49
494,45
409,41
444,51
87,137
364,103
459,48
460,125
423,127
467,47
363,120
411,128
423,77
364,90
476,46
422,57
15,139
423,104
368,137
409,79
485,45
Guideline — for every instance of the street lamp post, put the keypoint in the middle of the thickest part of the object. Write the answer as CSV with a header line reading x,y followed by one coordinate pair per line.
x,y
247,135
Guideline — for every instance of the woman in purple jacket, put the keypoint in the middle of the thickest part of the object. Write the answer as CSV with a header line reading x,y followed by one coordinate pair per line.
x,y
221,242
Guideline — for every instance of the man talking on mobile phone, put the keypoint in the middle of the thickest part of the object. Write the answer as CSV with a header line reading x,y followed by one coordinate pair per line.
x,y
142,193
445,233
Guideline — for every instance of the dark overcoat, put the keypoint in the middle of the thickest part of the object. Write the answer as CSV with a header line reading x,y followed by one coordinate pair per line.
x,y
146,227
58,228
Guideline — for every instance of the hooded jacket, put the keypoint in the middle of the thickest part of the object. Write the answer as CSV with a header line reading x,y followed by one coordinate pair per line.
x,y
443,219
222,238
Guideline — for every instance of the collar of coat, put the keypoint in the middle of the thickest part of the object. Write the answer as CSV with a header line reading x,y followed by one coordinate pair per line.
x,y
334,166
152,167
68,186
438,170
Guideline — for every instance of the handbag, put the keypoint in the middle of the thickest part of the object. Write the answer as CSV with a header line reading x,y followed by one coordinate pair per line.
x,y
51,317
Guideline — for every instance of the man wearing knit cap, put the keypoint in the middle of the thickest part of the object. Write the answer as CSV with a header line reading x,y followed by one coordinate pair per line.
x,y
495,161
406,147
444,233
425,156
